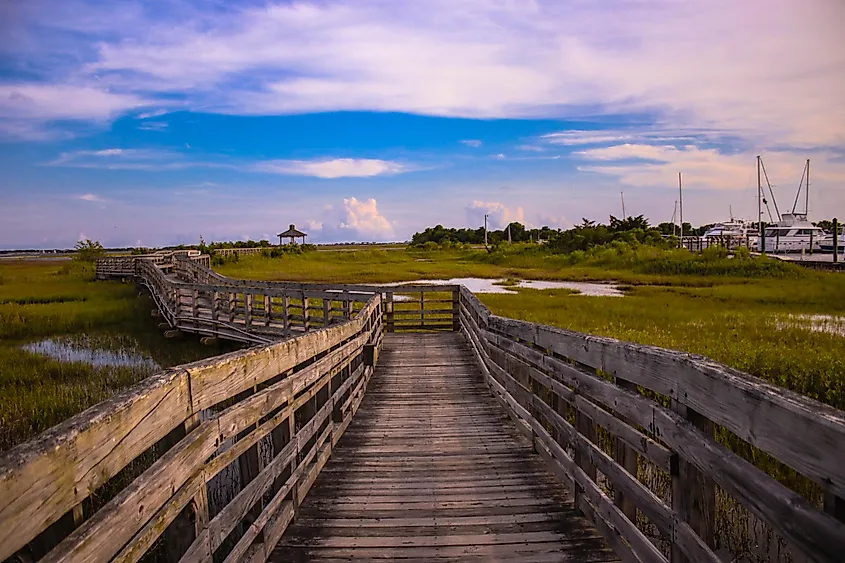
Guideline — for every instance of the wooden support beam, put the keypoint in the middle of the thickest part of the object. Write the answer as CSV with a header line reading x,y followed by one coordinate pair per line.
x,y
693,493
627,457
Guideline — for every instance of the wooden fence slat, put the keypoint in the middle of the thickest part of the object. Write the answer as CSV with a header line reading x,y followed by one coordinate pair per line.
x,y
43,479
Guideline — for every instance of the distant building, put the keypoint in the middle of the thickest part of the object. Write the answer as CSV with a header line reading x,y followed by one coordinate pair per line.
x,y
292,234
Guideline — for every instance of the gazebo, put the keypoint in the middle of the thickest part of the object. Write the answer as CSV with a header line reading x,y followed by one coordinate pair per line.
x,y
292,234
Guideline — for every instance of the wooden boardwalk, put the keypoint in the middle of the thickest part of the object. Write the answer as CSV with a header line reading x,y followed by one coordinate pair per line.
x,y
432,468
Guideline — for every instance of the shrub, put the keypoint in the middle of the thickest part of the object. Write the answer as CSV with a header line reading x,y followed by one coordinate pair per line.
x,y
88,251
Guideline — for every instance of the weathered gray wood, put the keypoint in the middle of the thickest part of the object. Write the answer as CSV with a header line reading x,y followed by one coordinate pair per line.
x,y
414,442
43,479
568,469
693,493
625,456
772,418
108,530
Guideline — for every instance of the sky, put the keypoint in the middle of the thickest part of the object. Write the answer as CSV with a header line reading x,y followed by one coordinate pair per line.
x,y
156,123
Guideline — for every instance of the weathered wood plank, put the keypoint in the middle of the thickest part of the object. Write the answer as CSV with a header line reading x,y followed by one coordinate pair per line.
x,y
43,479
772,418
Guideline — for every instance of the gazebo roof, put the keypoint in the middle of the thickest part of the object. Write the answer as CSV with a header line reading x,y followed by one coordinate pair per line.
x,y
292,232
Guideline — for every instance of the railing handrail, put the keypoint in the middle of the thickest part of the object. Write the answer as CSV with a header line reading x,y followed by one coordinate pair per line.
x,y
530,367
47,478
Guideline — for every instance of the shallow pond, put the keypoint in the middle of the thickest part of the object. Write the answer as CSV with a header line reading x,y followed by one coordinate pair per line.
x,y
99,352
830,324
489,285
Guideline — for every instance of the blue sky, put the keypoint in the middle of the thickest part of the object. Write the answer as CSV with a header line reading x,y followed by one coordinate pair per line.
x,y
152,123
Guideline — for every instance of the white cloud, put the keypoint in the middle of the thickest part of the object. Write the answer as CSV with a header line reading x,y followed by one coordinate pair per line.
x,y
92,198
149,114
774,75
474,143
119,158
153,126
507,59
530,148
332,168
354,221
706,170
498,214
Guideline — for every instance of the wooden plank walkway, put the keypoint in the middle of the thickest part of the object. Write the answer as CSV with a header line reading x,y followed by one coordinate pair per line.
x,y
431,468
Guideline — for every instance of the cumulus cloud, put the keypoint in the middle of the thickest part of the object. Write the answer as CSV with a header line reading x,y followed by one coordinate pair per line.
x,y
353,221
499,215
332,168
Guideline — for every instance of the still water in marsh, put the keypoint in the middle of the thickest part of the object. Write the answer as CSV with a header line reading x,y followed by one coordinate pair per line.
x,y
136,355
493,285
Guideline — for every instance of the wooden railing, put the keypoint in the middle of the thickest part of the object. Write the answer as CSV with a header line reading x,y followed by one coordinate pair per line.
x,y
132,476
566,390
195,298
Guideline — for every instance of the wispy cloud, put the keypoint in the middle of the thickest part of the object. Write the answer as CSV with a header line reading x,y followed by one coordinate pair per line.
x,y
333,168
120,158
153,126
92,198
474,143
706,169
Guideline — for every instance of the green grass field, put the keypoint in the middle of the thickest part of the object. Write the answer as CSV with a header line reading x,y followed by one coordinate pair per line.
x,y
741,313
42,299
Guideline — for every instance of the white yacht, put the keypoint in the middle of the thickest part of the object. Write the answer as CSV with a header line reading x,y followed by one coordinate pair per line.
x,y
826,243
793,233
737,228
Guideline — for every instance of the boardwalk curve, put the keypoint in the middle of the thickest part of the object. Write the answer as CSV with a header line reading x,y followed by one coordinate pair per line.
x,y
138,476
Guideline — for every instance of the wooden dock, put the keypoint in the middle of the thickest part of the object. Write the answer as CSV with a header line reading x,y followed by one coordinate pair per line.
x,y
344,435
432,468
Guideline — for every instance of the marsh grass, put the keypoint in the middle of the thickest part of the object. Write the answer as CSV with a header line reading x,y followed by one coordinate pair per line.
x,y
40,300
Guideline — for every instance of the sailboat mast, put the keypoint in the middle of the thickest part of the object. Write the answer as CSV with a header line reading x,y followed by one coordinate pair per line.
x,y
762,234
674,218
681,207
807,195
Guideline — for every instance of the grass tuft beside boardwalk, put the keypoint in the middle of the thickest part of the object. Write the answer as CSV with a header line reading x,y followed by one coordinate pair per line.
x,y
42,299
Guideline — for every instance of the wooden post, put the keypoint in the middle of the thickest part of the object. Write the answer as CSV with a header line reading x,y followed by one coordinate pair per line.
x,y
627,457
422,309
389,312
456,310
195,308
587,428
693,494
835,240
268,306
347,306
327,312
199,504
835,506
215,312
232,303
306,314
249,464
285,313
247,310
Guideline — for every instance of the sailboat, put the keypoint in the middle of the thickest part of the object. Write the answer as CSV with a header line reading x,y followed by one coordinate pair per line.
x,y
792,232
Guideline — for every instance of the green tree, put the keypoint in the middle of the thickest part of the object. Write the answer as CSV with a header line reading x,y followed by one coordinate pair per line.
x,y
88,250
